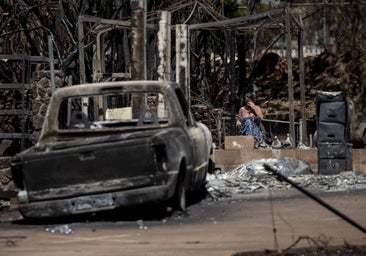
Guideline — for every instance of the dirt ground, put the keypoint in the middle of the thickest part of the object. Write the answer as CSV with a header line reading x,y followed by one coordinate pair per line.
x,y
267,223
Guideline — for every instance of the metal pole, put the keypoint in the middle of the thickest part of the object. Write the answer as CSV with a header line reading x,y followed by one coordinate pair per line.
x,y
230,37
52,63
84,103
273,170
81,50
143,4
304,138
289,75
325,36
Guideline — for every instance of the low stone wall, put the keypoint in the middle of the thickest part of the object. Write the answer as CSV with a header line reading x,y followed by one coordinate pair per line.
x,y
240,150
226,160
41,97
6,181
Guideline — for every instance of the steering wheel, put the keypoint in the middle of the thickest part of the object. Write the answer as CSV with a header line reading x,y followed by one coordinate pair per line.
x,y
79,120
147,115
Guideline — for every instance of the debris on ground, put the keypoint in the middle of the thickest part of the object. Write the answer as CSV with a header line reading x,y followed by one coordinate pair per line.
x,y
62,229
317,251
252,177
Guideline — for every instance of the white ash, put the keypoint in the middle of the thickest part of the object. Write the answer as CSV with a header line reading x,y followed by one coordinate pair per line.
x,y
252,177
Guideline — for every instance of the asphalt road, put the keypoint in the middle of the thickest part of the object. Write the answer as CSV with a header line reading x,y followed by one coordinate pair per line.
x,y
269,220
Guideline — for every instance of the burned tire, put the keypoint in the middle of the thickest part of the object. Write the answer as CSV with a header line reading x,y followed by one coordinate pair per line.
x,y
178,202
179,199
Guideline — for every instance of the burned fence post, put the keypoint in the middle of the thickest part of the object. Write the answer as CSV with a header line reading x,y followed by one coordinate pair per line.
x,y
182,59
164,47
164,54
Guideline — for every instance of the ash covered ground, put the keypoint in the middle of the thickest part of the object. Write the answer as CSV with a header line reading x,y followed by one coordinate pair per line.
x,y
252,177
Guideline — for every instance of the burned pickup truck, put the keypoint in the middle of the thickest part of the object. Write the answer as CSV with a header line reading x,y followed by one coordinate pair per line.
x,y
113,144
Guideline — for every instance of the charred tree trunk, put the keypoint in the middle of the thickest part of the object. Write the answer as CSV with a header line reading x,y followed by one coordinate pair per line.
x,y
138,51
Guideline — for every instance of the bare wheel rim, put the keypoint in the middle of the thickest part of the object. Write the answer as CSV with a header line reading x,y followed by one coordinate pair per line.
x,y
181,195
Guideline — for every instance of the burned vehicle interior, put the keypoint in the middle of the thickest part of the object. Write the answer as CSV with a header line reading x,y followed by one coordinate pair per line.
x,y
112,110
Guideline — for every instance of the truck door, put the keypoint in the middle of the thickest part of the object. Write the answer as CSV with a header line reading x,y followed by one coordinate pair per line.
x,y
197,139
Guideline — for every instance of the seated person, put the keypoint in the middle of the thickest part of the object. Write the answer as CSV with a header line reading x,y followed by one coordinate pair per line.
x,y
249,118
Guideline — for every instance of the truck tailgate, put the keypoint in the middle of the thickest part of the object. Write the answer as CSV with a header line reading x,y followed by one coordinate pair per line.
x,y
80,170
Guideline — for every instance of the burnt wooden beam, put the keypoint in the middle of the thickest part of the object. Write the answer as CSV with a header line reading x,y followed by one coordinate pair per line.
x,y
164,47
183,59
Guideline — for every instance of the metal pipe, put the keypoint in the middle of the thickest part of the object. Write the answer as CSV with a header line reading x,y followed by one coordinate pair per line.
x,y
274,170
52,63
303,128
290,75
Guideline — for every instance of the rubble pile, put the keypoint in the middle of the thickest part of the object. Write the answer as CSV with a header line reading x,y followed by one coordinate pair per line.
x,y
41,97
6,180
253,178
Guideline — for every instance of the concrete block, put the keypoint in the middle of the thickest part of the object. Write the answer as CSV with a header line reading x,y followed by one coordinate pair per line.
x,y
228,157
359,160
14,201
239,142
308,155
256,154
277,153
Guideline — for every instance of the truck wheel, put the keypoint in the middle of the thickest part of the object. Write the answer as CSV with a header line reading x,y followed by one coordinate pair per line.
x,y
180,195
211,166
